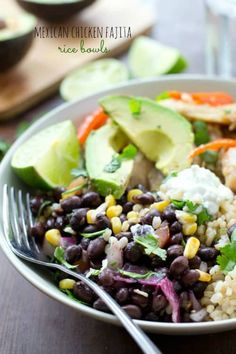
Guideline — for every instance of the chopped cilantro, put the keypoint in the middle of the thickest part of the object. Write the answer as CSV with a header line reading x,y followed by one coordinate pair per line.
x,y
227,259
114,165
59,255
70,294
128,153
201,135
179,204
93,234
79,172
203,217
136,275
93,272
210,157
135,106
150,244
73,190
4,146
162,96
45,204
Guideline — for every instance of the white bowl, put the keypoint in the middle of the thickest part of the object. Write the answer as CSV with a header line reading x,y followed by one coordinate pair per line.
x,y
75,111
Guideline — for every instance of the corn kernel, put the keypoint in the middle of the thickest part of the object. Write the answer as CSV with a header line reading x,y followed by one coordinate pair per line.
x,y
185,218
133,221
66,284
133,193
91,219
132,214
110,200
53,237
160,206
189,229
116,225
114,210
191,247
206,277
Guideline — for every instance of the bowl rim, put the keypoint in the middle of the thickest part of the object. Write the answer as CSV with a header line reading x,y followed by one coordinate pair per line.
x,y
26,271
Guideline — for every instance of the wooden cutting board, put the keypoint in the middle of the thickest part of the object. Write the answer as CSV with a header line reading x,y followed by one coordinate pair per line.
x,y
42,70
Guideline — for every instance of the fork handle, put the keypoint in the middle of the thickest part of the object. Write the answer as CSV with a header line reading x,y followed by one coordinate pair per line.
x,y
143,341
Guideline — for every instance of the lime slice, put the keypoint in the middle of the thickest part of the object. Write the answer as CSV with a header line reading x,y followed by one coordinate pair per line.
x,y
92,78
148,57
46,159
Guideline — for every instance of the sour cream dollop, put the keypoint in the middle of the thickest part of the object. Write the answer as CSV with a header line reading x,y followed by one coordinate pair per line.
x,y
199,185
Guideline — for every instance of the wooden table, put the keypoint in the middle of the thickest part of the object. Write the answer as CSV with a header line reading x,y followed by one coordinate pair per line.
x,y
30,322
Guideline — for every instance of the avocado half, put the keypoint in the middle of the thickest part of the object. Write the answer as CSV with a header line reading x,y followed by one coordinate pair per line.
x,y
54,10
16,38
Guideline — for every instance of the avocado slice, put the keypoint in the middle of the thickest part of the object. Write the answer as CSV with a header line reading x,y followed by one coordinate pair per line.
x,y
161,134
16,38
54,10
101,146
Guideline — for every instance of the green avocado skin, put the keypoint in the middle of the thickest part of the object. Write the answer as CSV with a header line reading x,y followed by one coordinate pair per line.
x,y
99,150
12,50
54,11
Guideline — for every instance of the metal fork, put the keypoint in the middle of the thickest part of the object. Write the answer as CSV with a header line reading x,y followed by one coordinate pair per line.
x,y
17,219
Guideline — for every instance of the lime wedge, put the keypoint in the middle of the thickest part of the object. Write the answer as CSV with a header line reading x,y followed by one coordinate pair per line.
x,y
46,159
92,78
148,57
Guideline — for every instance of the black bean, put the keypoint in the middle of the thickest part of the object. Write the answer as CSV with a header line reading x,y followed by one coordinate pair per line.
x,y
122,295
37,231
133,311
70,203
35,204
207,253
84,243
122,200
133,252
89,229
73,253
102,222
174,251
169,214
176,239
83,292
128,207
96,263
194,262
231,229
159,302
139,300
175,228
123,217
106,277
60,222
148,218
140,269
84,262
91,200
57,192
145,198
100,305
199,288
162,270
190,277
125,234
151,316
78,218
50,224
178,266
96,248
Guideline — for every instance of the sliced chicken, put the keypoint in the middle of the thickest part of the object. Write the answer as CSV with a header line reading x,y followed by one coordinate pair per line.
x,y
225,114
228,161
